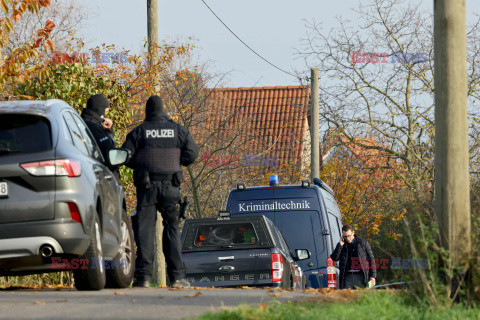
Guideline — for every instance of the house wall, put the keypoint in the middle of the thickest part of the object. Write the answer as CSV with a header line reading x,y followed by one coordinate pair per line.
x,y
306,148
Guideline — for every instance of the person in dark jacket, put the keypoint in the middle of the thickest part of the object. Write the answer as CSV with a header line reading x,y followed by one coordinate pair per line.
x,y
357,265
159,148
100,126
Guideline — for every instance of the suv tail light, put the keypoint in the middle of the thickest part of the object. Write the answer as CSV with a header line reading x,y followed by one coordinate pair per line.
x,y
277,267
62,167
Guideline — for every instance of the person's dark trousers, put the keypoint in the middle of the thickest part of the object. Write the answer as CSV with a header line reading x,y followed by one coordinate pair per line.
x,y
172,250
354,280
164,197
143,224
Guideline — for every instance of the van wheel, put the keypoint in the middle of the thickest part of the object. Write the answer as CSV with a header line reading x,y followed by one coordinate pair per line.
x,y
120,274
93,277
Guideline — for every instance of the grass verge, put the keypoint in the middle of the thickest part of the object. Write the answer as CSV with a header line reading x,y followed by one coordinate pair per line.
x,y
366,305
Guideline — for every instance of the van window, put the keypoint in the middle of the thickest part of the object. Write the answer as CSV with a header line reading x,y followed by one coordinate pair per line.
x,y
334,228
24,134
213,235
339,224
330,203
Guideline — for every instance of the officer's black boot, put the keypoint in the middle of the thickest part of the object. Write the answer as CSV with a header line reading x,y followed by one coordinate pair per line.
x,y
182,283
141,283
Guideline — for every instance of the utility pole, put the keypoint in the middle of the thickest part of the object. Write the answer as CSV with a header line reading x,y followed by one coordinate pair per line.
x,y
160,275
452,179
315,126
152,25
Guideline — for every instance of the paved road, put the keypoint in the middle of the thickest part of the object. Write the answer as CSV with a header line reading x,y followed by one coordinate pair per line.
x,y
137,303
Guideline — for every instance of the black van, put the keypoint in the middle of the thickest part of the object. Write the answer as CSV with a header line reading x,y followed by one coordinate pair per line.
x,y
307,215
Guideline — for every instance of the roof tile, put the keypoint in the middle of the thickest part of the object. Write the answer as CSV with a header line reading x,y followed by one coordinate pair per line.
x,y
277,118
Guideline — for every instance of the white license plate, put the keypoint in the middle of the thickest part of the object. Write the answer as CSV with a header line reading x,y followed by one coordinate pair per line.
x,y
3,189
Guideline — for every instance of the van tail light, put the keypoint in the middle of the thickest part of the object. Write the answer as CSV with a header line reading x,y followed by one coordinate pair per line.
x,y
331,274
74,213
62,167
277,267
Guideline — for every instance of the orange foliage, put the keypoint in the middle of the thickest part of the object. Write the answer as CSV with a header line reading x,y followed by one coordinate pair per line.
x,y
366,189
15,64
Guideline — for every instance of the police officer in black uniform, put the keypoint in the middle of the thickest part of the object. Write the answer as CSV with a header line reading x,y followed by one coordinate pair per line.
x,y
159,148
99,125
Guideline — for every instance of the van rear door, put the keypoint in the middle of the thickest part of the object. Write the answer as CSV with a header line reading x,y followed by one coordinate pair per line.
x,y
302,230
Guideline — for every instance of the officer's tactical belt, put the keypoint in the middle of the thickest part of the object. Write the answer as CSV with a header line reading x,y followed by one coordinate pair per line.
x,y
160,177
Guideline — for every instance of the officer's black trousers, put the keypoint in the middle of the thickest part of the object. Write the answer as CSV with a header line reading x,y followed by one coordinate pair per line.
x,y
164,197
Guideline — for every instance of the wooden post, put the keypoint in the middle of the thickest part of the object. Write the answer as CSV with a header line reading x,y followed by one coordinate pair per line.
x,y
160,275
315,126
452,178
152,26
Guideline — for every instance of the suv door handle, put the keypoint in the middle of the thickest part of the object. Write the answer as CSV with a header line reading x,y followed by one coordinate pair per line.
x,y
109,177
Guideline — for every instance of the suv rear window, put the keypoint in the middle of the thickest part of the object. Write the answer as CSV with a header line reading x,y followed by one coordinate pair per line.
x,y
214,235
21,133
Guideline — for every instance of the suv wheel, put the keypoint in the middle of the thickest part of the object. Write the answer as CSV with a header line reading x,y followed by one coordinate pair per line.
x,y
120,275
93,277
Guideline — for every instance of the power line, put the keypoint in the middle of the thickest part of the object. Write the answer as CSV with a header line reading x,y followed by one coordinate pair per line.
x,y
246,45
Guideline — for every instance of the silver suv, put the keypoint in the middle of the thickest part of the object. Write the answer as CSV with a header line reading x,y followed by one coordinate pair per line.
x,y
61,208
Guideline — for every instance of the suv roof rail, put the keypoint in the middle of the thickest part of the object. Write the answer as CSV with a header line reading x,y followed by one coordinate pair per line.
x,y
323,185
51,102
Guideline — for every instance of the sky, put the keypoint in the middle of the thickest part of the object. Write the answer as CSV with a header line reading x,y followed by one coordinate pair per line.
x,y
273,28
